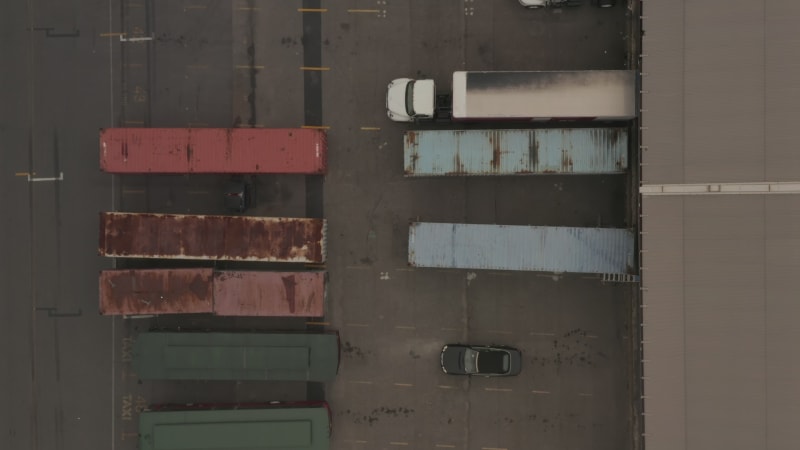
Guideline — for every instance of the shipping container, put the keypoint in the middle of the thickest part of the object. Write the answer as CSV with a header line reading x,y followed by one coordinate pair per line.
x,y
174,236
213,150
156,291
280,294
531,248
238,427
236,356
139,292
516,152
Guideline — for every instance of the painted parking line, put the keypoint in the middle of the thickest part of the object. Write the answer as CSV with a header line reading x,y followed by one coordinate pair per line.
x,y
316,69
318,127
349,441
533,333
540,392
370,128
591,336
444,386
319,10
403,384
361,382
497,389
363,11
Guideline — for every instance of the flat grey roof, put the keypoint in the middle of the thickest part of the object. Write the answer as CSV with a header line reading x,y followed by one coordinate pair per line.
x,y
720,98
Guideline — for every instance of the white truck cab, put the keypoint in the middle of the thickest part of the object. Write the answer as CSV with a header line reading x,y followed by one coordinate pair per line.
x,y
408,100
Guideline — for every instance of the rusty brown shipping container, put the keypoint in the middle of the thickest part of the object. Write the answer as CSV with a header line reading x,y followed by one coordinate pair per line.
x,y
203,291
236,238
156,291
282,294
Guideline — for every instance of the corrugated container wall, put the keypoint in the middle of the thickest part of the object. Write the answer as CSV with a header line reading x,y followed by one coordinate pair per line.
x,y
213,150
156,291
226,293
281,294
173,236
506,247
516,152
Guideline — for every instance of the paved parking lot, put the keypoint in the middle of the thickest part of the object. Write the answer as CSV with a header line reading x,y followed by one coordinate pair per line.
x,y
243,62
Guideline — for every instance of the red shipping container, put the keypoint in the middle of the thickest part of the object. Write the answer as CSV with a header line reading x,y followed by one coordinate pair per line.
x,y
213,150
156,291
279,294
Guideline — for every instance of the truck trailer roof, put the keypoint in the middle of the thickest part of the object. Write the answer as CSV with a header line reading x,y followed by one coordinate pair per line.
x,y
543,95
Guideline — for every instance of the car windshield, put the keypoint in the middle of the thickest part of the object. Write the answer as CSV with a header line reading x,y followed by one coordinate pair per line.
x,y
470,361
410,99
491,361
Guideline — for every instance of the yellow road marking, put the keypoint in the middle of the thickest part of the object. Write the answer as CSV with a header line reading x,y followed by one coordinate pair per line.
x,y
498,389
314,68
370,128
316,127
312,9
24,174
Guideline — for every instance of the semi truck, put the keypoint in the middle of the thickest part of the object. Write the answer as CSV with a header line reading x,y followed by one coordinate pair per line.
x,y
581,151
149,292
517,96
213,150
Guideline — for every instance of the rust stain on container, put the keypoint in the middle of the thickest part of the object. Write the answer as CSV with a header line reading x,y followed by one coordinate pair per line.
x,y
156,291
275,294
173,236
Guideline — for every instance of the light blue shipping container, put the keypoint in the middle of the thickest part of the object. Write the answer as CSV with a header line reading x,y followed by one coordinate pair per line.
x,y
516,152
529,248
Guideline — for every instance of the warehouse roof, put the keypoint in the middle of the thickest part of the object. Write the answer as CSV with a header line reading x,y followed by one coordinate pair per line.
x,y
720,95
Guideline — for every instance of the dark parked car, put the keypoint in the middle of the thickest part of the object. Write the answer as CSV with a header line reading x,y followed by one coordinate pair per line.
x,y
488,361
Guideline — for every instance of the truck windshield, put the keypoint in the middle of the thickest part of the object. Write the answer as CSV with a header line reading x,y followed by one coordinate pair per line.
x,y
410,99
